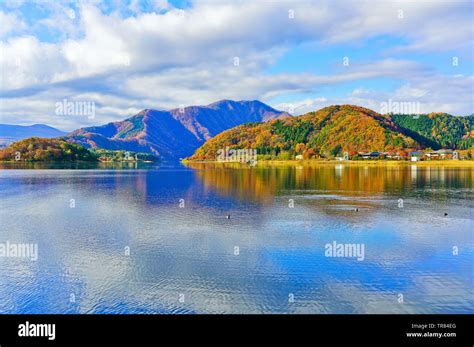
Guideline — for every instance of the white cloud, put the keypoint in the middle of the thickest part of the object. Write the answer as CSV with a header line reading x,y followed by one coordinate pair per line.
x,y
300,107
28,62
217,32
10,22
63,20
170,57
437,93
160,5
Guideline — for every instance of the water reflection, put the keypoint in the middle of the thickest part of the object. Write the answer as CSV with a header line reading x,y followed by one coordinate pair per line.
x,y
261,183
188,251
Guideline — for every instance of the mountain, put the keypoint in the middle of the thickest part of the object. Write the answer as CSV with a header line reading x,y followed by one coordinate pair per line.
x,y
11,133
438,130
328,132
175,133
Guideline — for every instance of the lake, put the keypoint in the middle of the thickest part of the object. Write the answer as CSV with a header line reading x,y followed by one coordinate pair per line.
x,y
209,238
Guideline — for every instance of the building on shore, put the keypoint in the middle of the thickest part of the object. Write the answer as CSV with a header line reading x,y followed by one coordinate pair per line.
x,y
416,156
440,154
370,155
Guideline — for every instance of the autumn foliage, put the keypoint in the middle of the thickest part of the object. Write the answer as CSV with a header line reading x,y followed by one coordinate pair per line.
x,y
39,149
329,132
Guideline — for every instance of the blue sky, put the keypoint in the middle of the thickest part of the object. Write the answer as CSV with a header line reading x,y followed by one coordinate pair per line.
x,y
125,56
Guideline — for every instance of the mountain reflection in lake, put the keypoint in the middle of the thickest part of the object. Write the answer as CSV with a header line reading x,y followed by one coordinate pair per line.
x,y
156,239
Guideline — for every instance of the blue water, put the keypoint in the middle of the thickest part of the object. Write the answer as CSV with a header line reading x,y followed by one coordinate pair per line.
x,y
127,246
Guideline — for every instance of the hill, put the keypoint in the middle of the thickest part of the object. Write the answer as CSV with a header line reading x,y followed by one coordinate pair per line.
x,y
328,132
38,149
176,133
59,150
438,130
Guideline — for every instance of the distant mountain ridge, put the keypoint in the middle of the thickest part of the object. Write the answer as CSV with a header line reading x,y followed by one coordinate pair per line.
x,y
175,133
11,133
328,132
197,131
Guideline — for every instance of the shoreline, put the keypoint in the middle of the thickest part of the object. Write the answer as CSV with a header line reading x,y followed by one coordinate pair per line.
x,y
438,163
260,163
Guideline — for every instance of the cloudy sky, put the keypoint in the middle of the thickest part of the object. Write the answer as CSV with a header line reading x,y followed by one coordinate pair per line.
x,y
296,56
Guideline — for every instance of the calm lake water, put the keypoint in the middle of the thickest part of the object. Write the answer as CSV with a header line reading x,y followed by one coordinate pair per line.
x,y
126,243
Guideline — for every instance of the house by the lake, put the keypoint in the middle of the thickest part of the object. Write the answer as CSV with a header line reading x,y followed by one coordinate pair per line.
x,y
395,156
416,156
440,154
370,155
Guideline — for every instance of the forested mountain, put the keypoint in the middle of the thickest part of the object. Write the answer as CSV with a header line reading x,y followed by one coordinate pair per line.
x,y
329,132
175,133
438,130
